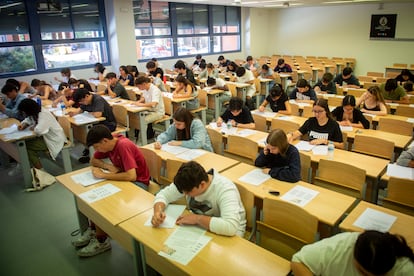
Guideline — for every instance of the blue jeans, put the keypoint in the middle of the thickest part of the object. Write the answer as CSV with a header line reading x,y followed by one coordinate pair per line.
x,y
141,185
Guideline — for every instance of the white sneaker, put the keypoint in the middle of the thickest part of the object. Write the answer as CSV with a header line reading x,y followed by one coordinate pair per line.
x,y
15,171
94,248
85,238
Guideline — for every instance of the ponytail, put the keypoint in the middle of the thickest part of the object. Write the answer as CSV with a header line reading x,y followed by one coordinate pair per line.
x,y
401,247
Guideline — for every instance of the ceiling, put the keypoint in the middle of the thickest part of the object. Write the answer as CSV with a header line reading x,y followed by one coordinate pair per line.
x,y
287,3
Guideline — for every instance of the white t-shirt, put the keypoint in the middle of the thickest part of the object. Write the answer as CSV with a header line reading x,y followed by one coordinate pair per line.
x,y
248,76
153,94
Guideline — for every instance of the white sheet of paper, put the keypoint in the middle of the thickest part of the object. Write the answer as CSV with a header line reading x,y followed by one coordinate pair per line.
x,y
304,145
84,118
85,178
400,171
346,128
18,134
255,177
173,149
410,120
245,132
299,195
320,150
184,244
372,115
372,219
285,118
262,142
99,193
172,212
10,129
191,154
266,114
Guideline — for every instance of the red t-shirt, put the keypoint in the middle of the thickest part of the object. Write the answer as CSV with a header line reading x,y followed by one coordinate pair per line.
x,y
126,155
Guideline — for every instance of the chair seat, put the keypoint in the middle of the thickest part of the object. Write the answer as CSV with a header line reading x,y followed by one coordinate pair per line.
x,y
163,119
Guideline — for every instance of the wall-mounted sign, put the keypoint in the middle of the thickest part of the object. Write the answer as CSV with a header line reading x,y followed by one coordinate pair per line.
x,y
383,25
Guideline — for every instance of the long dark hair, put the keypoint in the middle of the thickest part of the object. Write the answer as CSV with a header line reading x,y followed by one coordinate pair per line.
x,y
184,115
377,252
30,109
324,104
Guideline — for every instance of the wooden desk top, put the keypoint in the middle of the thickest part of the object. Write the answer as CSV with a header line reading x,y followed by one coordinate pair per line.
x,y
128,202
400,141
402,226
391,116
297,119
208,160
328,206
239,84
221,256
7,122
213,91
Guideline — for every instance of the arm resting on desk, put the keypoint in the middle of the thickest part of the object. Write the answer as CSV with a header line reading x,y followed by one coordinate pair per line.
x,y
406,158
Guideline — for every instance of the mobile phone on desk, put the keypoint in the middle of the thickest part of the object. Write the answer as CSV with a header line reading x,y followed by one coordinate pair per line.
x,y
275,193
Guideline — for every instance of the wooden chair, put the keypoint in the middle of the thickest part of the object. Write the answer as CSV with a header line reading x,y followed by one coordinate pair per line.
x,y
168,114
403,65
400,195
356,92
247,199
131,94
241,148
216,139
67,147
171,168
341,177
285,228
369,84
375,74
381,80
305,167
405,110
366,78
374,146
154,164
202,97
369,118
307,111
100,88
122,119
295,109
396,126
335,101
260,122
285,125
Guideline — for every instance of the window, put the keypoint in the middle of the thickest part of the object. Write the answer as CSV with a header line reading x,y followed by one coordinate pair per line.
x,y
62,33
166,30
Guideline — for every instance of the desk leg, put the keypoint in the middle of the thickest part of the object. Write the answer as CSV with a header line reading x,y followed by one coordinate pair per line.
x,y
82,219
139,258
243,92
315,76
217,106
284,84
371,192
143,128
24,162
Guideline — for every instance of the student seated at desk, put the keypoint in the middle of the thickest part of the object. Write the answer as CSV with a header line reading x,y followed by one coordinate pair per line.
x,y
14,98
198,60
66,97
393,93
44,90
354,254
373,102
267,73
208,72
22,86
282,67
246,76
223,62
280,159
101,70
125,78
347,79
66,74
277,100
303,93
405,76
114,88
408,87
348,115
325,85
186,131
181,68
218,83
214,201
320,129
80,83
50,135
237,114
252,65
406,158
185,89
127,164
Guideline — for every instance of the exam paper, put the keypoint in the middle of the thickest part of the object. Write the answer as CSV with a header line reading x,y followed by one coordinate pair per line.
x,y
255,177
85,178
10,129
172,212
346,128
184,244
84,118
245,132
18,134
173,149
320,150
372,219
400,171
299,195
191,154
99,193
304,145
266,114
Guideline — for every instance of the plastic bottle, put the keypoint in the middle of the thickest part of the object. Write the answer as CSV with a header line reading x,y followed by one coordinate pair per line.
x,y
229,124
331,149
39,101
62,107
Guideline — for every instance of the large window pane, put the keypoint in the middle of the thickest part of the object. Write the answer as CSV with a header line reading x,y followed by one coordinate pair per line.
x,y
226,43
17,59
200,19
233,20
160,11
56,25
219,19
150,48
143,29
185,24
141,10
161,28
13,23
192,45
74,54
85,16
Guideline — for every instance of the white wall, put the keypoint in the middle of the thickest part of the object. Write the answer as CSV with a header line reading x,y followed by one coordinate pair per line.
x,y
342,31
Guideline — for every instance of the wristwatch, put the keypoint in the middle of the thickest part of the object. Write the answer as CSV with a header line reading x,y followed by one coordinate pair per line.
x,y
236,124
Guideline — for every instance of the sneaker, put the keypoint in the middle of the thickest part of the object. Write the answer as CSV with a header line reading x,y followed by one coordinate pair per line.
x,y
94,248
84,159
85,238
85,152
15,171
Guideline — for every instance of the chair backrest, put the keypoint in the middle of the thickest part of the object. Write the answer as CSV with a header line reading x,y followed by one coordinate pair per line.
x,y
242,149
202,97
404,65
373,146
381,80
171,168
279,230
216,139
368,84
232,88
121,115
396,126
66,125
375,74
131,94
369,118
356,92
366,78
100,88
405,110
341,177
258,86
295,109
154,163
335,101
260,122
307,111
400,195
285,125
247,199
168,105
305,167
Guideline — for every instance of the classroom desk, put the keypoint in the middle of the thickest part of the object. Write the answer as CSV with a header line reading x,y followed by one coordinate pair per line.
x,y
208,160
213,101
258,136
397,69
112,210
297,119
80,129
315,74
284,80
328,206
265,86
376,118
374,167
402,226
221,256
301,74
241,89
17,150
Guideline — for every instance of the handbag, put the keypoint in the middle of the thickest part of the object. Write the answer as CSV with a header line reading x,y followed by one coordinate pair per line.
x,y
40,180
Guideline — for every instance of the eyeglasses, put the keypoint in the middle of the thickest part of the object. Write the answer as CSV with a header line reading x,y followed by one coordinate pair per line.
x,y
318,111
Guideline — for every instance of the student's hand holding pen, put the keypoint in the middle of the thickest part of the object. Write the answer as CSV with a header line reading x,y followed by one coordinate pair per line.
x,y
159,214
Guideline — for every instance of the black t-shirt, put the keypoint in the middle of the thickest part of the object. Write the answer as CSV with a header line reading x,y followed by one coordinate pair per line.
x,y
157,71
99,104
330,130
245,117
279,104
357,116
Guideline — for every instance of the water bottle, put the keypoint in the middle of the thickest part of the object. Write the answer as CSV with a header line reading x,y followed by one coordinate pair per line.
x,y
39,101
331,148
62,107
229,124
